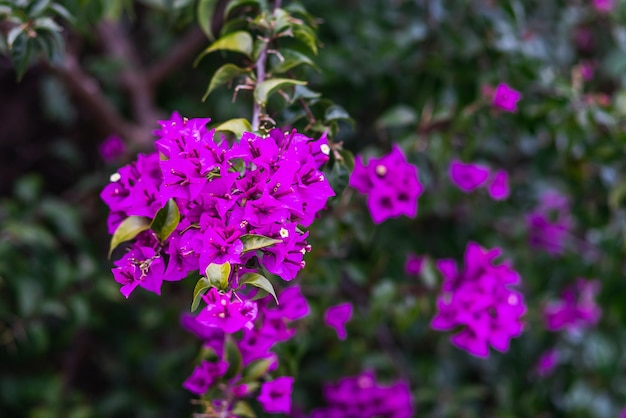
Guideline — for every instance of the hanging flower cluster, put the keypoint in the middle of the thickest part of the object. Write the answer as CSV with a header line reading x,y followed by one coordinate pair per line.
x,y
361,396
479,299
238,337
391,184
225,196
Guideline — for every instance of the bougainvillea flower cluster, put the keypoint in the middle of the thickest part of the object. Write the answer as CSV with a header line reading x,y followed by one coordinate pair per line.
x,y
479,300
257,186
577,308
550,223
505,97
470,176
252,339
363,397
391,184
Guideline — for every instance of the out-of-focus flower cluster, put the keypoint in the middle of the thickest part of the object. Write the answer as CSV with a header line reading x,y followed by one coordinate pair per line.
x,y
479,299
362,397
469,177
550,223
576,309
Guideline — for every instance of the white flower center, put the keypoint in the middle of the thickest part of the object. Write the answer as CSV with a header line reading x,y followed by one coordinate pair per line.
x,y
325,149
283,233
115,177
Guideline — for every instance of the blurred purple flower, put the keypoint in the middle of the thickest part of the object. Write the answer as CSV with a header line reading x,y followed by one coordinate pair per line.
x,y
499,187
413,265
275,396
577,308
550,223
204,375
112,148
337,316
506,98
468,176
547,362
586,70
604,5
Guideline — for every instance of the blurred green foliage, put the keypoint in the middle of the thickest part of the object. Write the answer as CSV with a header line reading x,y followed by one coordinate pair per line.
x,y
407,71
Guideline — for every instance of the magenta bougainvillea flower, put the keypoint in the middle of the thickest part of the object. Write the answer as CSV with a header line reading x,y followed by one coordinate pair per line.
x,y
550,223
391,184
413,264
499,187
604,5
480,301
275,396
506,98
112,148
337,316
547,362
204,375
577,308
362,396
468,176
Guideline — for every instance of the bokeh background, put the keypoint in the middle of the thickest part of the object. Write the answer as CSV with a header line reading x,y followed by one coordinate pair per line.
x,y
419,73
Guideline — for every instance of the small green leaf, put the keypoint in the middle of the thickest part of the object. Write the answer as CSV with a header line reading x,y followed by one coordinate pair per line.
x,y
256,242
46,23
21,54
239,41
218,275
282,20
62,11
348,159
256,370
37,7
260,281
336,112
267,87
205,12
236,126
397,117
222,76
129,229
201,288
13,35
166,220
232,5
233,357
306,35
243,409
292,59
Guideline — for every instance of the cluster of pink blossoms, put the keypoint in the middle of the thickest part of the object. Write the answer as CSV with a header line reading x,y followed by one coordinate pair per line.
x,y
257,186
469,177
576,309
259,326
479,299
390,183
362,397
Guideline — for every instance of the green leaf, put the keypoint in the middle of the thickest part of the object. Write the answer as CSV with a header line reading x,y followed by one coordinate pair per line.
x,y
243,409
222,76
348,159
396,117
205,12
336,112
232,5
282,20
37,7
307,36
51,44
63,12
292,59
129,229
233,357
46,23
256,242
218,275
201,288
236,126
166,220
260,281
256,370
21,54
265,88
13,35
239,41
